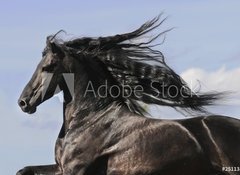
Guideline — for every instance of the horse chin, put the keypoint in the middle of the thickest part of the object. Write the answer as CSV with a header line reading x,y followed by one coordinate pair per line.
x,y
29,110
32,110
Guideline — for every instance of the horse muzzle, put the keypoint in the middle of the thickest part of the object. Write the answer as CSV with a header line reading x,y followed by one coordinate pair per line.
x,y
24,105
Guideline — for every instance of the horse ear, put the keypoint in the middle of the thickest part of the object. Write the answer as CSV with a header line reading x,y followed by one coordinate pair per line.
x,y
48,41
56,49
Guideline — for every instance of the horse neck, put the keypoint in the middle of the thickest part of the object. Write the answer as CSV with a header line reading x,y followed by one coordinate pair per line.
x,y
67,99
83,102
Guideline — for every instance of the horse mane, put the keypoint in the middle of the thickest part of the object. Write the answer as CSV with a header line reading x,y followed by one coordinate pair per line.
x,y
132,62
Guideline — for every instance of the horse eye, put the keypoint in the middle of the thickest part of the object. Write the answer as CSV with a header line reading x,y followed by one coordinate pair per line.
x,y
48,68
44,53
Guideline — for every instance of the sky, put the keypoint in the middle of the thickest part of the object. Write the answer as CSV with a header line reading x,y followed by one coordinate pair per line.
x,y
203,48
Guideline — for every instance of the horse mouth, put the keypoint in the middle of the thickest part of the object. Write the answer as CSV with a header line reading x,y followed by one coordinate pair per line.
x,y
29,110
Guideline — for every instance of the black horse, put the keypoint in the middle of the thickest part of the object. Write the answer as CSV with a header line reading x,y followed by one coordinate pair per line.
x,y
105,131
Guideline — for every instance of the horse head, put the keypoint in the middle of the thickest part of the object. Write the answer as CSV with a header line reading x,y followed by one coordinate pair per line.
x,y
45,79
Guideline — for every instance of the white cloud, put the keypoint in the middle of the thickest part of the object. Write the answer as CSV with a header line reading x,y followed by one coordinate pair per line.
x,y
219,80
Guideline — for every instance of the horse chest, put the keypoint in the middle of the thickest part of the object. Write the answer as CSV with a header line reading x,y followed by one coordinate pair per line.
x,y
78,149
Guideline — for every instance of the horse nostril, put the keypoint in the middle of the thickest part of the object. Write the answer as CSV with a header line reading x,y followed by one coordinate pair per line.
x,y
22,103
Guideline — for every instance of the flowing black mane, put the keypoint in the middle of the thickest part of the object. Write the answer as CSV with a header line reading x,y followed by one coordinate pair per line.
x,y
133,63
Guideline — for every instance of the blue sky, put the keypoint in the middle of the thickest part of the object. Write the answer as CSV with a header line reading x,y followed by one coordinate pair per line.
x,y
203,46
